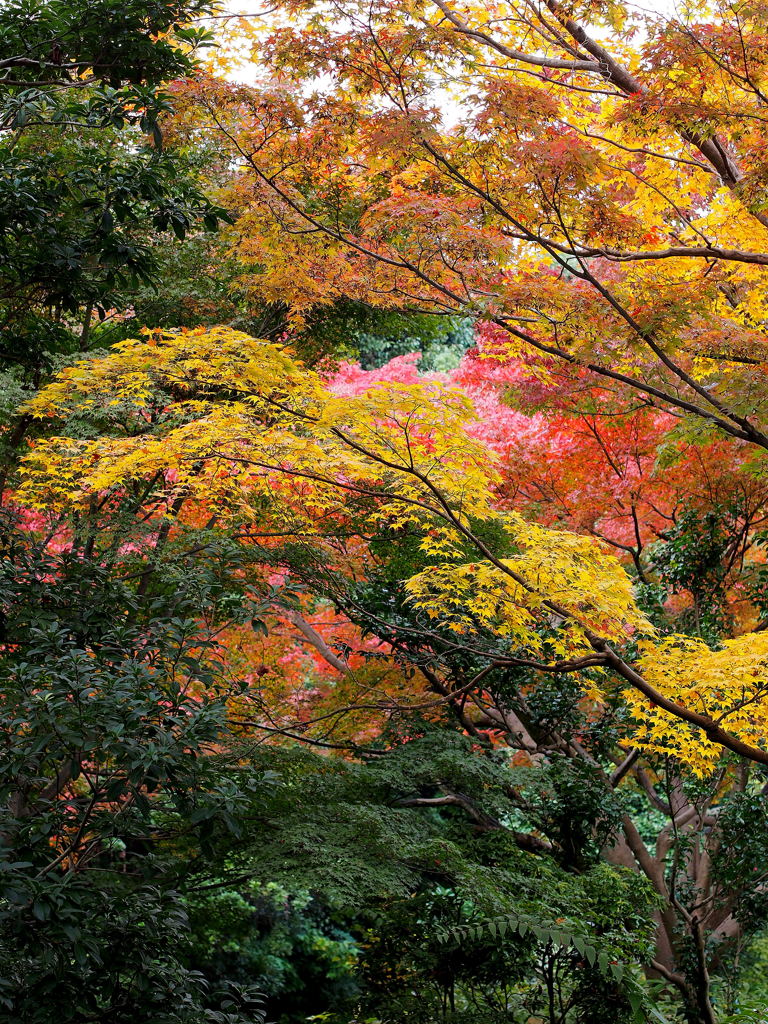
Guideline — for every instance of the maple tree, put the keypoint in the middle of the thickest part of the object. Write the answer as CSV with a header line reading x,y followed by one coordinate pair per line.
x,y
604,210
373,496
602,463
216,422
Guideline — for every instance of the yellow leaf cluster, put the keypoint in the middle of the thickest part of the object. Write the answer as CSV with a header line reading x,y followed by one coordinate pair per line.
x,y
556,588
729,685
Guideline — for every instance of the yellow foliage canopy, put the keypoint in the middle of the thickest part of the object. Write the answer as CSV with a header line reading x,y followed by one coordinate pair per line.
x,y
730,686
220,422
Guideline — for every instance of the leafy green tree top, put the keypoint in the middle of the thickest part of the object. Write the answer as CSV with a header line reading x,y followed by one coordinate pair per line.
x,y
84,183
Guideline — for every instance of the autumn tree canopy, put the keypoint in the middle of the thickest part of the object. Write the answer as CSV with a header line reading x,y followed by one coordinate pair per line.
x,y
588,178
235,430
383,513
599,202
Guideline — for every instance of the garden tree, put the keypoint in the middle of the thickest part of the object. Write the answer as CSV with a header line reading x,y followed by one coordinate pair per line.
x,y
689,515
86,185
601,202
112,711
79,240
290,943
402,876
382,503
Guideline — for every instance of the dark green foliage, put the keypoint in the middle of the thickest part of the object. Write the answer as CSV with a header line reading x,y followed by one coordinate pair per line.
x,y
352,330
197,290
285,942
582,961
109,713
568,802
110,950
84,183
77,218
695,558
45,44
741,863
402,873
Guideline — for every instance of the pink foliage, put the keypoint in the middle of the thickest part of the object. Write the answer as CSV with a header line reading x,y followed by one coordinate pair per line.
x,y
571,451
351,379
